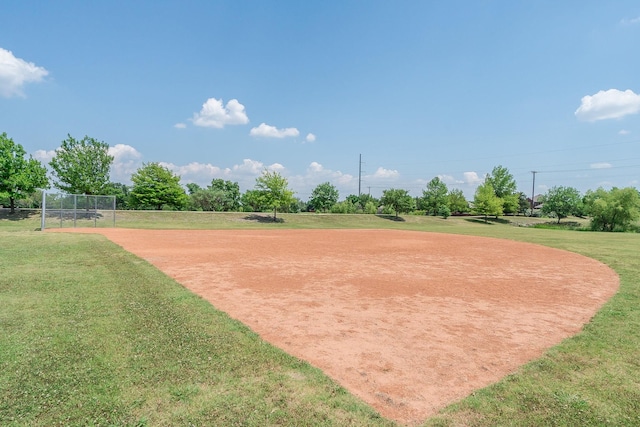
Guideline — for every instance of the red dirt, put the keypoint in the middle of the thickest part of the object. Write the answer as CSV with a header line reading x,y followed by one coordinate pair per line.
x,y
407,321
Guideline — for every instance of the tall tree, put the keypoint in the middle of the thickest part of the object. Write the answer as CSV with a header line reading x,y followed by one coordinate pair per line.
x,y
155,186
274,190
323,197
613,210
228,194
561,201
399,200
434,196
486,202
82,167
457,202
19,176
505,187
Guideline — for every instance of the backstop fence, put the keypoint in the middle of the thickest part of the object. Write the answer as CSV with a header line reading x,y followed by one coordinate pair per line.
x,y
77,210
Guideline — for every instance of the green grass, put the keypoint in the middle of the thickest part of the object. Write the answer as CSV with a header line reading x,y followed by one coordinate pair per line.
x,y
92,335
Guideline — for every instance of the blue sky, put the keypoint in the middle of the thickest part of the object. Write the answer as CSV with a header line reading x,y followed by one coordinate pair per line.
x,y
224,89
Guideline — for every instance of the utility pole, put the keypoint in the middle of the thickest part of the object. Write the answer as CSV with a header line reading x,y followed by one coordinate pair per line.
x,y
533,191
359,175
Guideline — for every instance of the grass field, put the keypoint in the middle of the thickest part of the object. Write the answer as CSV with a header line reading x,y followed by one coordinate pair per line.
x,y
92,335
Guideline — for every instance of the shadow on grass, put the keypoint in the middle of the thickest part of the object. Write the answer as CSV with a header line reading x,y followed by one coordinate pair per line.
x,y
391,217
18,215
263,219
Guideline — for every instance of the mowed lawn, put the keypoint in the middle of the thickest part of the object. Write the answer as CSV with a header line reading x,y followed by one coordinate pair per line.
x,y
92,335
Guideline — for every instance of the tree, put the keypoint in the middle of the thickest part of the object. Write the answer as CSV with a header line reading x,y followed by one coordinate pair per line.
x,y
323,197
561,201
486,202
228,194
434,196
613,210
121,191
82,167
19,177
457,202
155,186
523,203
399,200
505,188
252,202
274,190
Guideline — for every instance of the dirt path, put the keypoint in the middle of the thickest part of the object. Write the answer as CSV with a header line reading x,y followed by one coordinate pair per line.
x,y
407,321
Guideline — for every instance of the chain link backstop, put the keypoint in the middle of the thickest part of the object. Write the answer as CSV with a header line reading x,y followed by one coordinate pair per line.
x,y
77,210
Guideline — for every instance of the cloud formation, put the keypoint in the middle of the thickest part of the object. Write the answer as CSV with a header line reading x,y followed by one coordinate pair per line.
x,y
267,131
601,165
214,115
609,104
310,137
126,161
16,72
386,173
632,21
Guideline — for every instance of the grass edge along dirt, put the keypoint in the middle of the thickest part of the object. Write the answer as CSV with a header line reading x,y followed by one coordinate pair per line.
x,y
590,379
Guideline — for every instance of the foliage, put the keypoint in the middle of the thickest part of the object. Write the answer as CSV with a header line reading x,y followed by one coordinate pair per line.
x,y
155,186
251,201
456,201
561,201
121,191
323,197
434,197
397,199
344,207
486,202
19,177
444,211
364,202
523,203
220,196
505,188
82,167
273,190
613,210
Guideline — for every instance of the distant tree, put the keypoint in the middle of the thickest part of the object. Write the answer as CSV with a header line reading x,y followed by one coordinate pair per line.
x,y
121,191
434,196
523,203
274,190
614,210
345,207
192,187
457,202
228,194
486,202
19,177
397,199
155,186
444,211
82,167
323,197
505,188
561,201
252,202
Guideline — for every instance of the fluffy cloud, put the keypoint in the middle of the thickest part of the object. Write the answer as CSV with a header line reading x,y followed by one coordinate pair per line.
x,y
601,165
266,131
632,21
214,115
179,126
386,173
609,104
44,156
126,161
16,72
472,178
624,132
310,137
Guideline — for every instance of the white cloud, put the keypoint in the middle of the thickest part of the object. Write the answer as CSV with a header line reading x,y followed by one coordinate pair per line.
x,y
386,173
472,178
632,21
179,126
44,156
16,72
213,114
624,132
126,161
249,167
310,137
266,131
449,180
609,104
601,165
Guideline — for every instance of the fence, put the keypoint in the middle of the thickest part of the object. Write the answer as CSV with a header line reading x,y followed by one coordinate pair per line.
x,y
77,210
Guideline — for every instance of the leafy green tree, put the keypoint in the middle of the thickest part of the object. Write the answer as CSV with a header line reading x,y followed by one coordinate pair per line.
x,y
345,207
561,201
614,210
228,194
486,202
251,201
121,191
19,177
155,186
274,191
434,196
82,167
323,197
523,203
457,202
505,188
192,187
397,199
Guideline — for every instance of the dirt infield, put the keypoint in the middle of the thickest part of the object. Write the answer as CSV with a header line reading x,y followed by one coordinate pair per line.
x,y
407,321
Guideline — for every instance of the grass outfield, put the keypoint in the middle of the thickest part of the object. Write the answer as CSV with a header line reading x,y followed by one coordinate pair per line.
x,y
93,335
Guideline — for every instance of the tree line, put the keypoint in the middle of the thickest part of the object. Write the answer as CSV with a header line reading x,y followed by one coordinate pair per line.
x,y
83,166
